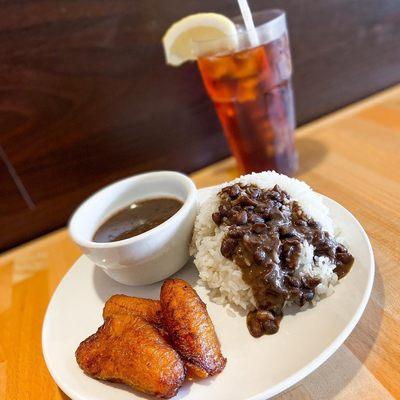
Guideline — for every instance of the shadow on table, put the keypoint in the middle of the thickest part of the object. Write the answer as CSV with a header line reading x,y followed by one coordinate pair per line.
x,y
359,344
63,395
311,153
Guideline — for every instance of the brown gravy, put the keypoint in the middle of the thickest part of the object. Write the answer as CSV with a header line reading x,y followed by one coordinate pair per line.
x,y
265,236
137,218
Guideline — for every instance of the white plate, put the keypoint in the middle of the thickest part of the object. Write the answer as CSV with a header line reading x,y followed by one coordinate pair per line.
x,y
256,368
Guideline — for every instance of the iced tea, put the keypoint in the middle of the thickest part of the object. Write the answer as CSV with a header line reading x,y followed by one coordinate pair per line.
x,y
253,96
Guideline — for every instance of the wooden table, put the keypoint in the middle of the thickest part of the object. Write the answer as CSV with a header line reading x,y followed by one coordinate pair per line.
x,y
352,156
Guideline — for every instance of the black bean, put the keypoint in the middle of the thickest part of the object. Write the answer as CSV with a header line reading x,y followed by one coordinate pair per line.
x,y
287,232
234,191
344,258
276,214
224,209
264,315
341,249
256,219
251,240
245,200
295,241
226,190
311,282
273,195
240,218
295,295
290,254
292,281
325,247
254,325
228,247
216,217
270,327
254,192
235,232
259,228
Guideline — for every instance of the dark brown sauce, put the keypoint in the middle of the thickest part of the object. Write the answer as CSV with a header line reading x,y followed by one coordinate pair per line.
x,y
137,218
265,236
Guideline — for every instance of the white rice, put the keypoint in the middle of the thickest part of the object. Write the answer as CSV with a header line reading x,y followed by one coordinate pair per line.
x,y
223,277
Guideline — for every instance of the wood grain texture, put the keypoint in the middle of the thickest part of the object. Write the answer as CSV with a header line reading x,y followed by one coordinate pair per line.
x,y
8,190
351,156
86,98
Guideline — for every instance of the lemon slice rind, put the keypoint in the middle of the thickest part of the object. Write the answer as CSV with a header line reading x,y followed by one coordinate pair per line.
x,y
179,38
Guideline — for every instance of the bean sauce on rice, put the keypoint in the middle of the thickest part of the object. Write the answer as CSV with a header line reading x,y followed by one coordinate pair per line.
x,y
265,233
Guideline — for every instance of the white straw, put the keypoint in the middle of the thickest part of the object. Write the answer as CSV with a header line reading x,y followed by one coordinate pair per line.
x,y
248,22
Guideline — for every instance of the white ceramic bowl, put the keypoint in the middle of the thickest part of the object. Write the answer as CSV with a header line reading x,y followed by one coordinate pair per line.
x,y
151,256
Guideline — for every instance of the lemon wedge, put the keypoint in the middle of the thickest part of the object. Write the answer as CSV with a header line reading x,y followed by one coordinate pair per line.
x,y
179,39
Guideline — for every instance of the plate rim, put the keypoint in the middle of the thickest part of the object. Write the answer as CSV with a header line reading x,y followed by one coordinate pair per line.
x,y
285,383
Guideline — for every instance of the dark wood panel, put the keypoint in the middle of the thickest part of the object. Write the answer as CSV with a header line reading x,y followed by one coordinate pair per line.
x,y
343,51
85,96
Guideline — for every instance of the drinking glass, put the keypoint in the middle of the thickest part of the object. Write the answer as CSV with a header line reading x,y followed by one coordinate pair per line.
x,y
248,78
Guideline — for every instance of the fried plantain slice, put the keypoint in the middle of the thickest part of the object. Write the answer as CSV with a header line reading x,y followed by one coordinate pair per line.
x,y
128,349
190,328
148,309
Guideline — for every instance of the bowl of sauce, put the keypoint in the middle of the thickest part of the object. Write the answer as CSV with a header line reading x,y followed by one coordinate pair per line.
x,y
137,218
138,229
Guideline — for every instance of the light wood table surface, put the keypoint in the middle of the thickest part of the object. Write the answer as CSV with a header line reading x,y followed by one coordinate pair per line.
x,y
352,156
